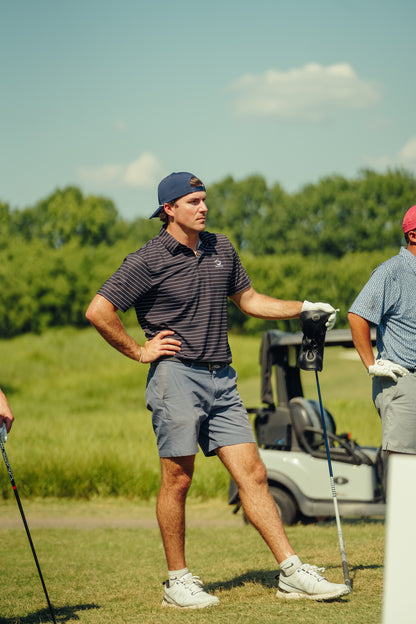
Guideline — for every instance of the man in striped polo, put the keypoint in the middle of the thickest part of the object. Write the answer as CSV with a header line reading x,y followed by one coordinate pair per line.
x,y
388,301
179,284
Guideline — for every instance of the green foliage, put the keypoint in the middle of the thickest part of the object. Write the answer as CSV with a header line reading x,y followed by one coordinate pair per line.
x,y
334,217
289,276
319,244
66,216
241,209
360,215
44,287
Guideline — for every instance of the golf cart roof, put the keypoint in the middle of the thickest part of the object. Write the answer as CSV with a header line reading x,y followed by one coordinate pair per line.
x,y
280,349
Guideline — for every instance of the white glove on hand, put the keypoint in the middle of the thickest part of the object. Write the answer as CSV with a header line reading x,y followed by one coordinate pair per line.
x,y
385,368
326,307
3,433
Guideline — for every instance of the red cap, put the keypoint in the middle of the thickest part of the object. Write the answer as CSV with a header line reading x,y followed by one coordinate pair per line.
x,y
409,221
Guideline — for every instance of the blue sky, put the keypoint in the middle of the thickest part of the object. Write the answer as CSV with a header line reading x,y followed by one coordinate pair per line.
x,y
112,95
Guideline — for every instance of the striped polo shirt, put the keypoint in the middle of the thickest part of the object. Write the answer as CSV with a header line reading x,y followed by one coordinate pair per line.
x,y
173,288
388,300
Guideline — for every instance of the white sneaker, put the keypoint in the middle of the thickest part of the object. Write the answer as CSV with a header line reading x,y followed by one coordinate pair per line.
x,y
305,582
187,592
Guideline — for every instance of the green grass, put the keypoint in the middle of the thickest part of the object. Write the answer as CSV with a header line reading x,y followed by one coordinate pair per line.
x,y
82,428
114,575
85,463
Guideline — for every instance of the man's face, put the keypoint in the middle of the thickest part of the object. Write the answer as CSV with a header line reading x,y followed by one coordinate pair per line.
x,y
190,211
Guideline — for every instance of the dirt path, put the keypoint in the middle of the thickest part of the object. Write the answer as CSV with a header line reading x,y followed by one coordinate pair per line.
x,y
112,513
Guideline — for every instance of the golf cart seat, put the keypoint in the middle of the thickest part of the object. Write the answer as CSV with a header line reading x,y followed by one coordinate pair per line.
x,y
307,425
291,441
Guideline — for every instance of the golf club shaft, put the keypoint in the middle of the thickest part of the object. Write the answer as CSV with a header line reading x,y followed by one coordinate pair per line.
x,y
344,561
19,504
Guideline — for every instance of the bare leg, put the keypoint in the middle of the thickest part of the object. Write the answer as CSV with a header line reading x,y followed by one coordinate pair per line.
x,y
244,464
176,479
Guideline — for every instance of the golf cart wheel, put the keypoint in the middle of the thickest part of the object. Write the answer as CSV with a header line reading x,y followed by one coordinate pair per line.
x,y
285,504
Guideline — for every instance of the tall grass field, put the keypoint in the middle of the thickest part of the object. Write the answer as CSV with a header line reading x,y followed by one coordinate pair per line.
x,y
82,428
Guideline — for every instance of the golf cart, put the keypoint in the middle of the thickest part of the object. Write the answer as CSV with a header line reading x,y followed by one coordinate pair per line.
x,y
291,440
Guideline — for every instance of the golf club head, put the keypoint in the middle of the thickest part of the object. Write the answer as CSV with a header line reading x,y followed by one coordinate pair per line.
x,y
311,353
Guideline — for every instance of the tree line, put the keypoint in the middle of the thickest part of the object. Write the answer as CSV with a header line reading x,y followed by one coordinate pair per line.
x,y
319,243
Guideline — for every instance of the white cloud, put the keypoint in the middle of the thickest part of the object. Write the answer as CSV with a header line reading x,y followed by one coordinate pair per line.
x,y
107,174
380,163
142,173
405,157
407,154
310,93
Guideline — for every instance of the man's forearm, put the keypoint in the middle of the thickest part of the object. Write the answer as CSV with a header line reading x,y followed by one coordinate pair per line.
x,y
117,337
262,306
276,309
103,316
361,336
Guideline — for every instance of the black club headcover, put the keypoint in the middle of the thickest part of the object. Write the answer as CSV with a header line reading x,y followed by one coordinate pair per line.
x,y
311,353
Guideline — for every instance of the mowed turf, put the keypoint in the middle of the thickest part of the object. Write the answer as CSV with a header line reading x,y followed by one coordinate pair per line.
x,y
107,573
82,448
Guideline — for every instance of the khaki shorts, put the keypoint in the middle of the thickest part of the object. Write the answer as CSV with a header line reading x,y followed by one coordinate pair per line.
x,y
193,406
396,405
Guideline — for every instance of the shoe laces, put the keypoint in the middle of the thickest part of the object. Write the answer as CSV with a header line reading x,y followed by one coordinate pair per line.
x,y
313,570
191,582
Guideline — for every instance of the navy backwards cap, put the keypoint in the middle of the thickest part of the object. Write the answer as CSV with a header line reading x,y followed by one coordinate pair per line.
x,y
174,186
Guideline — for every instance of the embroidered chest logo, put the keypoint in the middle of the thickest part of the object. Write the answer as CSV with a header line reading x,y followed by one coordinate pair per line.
x,y
218,263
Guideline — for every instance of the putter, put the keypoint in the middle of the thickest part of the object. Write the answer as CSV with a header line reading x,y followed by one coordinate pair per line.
x,y
3,438
311,358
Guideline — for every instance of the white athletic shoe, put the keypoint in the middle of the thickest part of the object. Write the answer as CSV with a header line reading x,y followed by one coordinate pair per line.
x,y
187,592
305,582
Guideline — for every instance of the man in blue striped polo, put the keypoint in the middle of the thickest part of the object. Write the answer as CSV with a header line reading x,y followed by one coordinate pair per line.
x,y
388,301
179,284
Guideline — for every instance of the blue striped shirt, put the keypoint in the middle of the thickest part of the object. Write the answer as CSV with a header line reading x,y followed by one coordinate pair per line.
x,y
173,288
388,300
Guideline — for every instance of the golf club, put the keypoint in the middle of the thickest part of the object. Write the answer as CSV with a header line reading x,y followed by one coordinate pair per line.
x,y
3,438
311,358
344,561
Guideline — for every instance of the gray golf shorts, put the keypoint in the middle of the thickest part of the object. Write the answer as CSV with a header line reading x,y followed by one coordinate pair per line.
x,y
396,405
193,406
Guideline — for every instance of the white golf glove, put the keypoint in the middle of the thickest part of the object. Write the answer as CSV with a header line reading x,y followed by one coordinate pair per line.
x,y
3,433
385,368
326,307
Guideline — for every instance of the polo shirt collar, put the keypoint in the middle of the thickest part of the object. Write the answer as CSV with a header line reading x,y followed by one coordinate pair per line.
x,y
408,257
174,245
168,240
